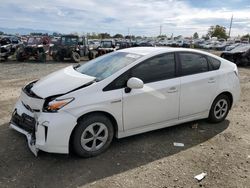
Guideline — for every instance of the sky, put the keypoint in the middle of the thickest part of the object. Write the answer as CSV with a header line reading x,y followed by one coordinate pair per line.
x,y
134,17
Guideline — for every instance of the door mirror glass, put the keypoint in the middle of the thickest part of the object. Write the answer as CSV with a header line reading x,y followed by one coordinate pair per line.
x,y
135,83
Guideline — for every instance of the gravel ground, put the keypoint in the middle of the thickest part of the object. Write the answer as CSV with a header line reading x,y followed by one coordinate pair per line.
x,y
147,160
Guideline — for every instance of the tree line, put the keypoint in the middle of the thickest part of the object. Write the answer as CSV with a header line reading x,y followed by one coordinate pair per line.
x,y
213,31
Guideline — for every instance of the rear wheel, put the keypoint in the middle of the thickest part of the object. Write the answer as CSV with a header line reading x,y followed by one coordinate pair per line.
x,y
42,57
19,56
219,109
92,135
54,57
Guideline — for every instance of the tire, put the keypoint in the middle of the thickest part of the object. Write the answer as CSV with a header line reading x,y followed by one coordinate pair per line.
x,y
19,56
59,57
75,57
91,55
219,109
54,57
42,57
92,123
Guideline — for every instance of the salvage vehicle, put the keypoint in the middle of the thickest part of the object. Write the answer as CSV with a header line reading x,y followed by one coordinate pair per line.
x,y
240,55
123,44
106,46
8,46
124,93
70,46
37,47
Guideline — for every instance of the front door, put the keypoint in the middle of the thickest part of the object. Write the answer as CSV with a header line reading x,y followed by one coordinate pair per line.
x,y
158,100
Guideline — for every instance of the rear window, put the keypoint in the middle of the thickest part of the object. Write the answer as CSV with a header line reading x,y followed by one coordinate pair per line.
x,y
214,62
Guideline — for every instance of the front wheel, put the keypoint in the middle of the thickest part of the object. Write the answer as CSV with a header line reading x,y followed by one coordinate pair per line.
x,y
219,109
76,57
92,135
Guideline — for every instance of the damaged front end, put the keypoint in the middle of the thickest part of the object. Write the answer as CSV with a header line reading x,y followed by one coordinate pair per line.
x,y
15,123
24,117
240,55
38,115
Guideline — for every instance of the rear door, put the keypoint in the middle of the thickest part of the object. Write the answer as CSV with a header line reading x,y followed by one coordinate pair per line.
x,y
198,84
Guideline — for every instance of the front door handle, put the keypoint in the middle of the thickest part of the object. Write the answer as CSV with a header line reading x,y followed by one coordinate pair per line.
x,y
172,90
211,80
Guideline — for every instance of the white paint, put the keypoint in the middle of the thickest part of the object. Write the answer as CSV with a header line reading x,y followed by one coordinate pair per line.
x,y
156,105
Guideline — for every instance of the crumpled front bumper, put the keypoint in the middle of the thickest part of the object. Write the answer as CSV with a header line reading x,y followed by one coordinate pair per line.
x,y
30,139
49,132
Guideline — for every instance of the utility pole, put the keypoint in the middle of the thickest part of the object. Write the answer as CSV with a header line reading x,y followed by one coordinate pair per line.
x,y
129,34
231,22
160,29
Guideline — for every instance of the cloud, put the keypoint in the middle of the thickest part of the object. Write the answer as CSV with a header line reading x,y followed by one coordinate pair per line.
x,y
142,17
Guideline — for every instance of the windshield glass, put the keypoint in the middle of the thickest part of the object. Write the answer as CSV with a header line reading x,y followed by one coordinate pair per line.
x,y
69,40
34,40
106,44
106,65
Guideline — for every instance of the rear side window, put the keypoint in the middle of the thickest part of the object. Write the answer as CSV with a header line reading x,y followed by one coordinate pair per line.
x,y
193,63
214,62
157,68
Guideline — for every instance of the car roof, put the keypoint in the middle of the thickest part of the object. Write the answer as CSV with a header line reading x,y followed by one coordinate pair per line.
x,y
157,50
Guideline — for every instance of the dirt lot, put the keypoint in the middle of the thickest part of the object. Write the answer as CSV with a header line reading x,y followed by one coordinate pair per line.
x,y
146,160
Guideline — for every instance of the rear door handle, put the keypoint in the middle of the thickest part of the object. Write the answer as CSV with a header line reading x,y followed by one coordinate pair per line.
x,y
172,90
211,80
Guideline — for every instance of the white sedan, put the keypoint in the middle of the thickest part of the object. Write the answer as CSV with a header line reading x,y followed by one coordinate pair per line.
x,y
124,93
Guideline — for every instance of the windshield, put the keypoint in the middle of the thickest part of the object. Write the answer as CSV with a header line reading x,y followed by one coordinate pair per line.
x,y
106,44
34,40
69,40
106,65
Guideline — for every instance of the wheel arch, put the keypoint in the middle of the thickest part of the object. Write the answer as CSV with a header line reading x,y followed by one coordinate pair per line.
x,y
107,114
228,94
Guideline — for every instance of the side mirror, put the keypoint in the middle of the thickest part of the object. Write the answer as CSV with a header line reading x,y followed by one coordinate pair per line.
x,y
134,83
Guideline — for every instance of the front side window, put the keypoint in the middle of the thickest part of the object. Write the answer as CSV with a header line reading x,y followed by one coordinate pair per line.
x,y
193,63
158,68
106,65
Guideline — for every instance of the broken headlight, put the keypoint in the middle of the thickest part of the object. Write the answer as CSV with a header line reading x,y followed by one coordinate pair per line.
x,y
57,104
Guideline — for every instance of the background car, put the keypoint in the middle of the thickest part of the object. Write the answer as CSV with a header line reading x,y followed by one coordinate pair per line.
x,y
240,54
70,46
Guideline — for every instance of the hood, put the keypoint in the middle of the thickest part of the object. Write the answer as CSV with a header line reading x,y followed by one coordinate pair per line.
x,y
60,82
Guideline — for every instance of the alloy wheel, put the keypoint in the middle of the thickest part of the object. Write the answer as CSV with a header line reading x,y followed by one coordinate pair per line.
x,y
220,108
94,136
